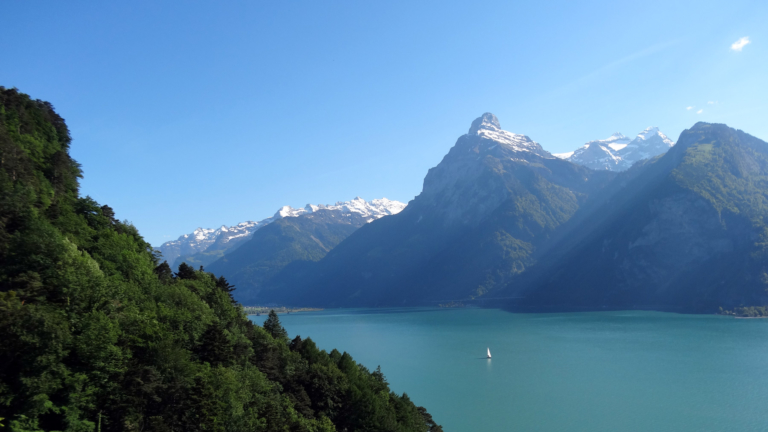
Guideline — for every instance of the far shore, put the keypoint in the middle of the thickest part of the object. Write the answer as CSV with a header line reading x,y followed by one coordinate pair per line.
x,y
259,310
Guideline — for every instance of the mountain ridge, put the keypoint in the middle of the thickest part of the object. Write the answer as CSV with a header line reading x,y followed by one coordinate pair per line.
x,y
685,231
205,245
618,152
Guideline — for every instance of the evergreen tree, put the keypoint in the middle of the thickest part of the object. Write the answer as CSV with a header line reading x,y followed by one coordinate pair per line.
x,y
433,427
222,284
274,328
108,213
163,272
215,347
185,271
296,344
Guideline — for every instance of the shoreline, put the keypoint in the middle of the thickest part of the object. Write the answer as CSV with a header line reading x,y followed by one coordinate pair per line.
x,y
258,310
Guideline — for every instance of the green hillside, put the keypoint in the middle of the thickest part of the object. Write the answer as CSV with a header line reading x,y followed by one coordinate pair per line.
x,y
97,335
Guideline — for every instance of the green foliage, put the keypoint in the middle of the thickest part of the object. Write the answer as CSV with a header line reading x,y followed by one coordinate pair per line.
x,y
98,335
274,328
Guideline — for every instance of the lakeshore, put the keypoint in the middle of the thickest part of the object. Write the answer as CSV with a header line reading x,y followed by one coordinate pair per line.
x,y
259,310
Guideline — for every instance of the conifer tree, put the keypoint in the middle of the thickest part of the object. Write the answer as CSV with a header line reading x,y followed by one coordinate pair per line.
x,y
296,344
215,348
185,271
222,284
163,272
274,328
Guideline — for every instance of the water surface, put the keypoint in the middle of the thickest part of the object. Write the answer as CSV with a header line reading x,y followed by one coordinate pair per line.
x,y
598,371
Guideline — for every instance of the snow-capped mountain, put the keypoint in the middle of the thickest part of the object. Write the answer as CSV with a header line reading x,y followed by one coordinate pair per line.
x,y
618,153
371,210
488,128
483,212
227,237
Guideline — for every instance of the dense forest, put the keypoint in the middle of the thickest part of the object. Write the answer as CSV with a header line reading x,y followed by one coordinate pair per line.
x,y
99,335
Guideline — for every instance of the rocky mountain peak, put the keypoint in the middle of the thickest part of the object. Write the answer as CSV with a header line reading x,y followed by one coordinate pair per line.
x,y
485,121
618,153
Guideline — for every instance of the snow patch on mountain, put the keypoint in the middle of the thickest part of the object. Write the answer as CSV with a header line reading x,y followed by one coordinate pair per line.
x,y
617,152
203,238
487,127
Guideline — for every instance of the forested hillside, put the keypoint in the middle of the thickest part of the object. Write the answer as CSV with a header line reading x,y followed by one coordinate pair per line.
x,y
97,334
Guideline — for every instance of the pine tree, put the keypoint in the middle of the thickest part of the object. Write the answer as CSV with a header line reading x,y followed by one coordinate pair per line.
x,y
185,271
163,272
296,344
108,213
222,284
273,327
215,348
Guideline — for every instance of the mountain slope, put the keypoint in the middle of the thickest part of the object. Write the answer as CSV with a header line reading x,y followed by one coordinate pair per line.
x,y
618,153
308,237
483,210
204,246
208,243
684,231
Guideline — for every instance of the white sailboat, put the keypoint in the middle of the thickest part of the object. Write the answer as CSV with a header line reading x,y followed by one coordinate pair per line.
x,y
489,353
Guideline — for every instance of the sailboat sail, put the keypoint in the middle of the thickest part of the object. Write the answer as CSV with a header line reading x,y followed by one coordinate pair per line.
x,y
489,353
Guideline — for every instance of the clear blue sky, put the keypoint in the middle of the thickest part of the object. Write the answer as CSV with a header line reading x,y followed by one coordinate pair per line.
x,y
188,114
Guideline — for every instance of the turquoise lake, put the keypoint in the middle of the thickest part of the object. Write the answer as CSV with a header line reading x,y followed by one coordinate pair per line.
x,y
597,371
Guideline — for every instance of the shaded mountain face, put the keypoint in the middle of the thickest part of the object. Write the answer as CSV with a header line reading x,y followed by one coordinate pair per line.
x,y
204,246
686,231
304,238
618,153
481,215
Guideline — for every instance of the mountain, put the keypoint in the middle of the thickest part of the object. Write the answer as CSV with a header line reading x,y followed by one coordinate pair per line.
x,y
618,153
98,335
213,241
305,236
204,246
684,231
482,213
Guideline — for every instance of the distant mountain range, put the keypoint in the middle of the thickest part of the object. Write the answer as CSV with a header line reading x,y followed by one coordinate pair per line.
x,y
619,153
619,223
205,245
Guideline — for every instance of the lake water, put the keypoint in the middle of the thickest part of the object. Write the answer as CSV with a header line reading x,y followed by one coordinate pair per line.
x,y
601,371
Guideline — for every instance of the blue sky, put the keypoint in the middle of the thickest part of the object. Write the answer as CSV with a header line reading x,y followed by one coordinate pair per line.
x,y
188,114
